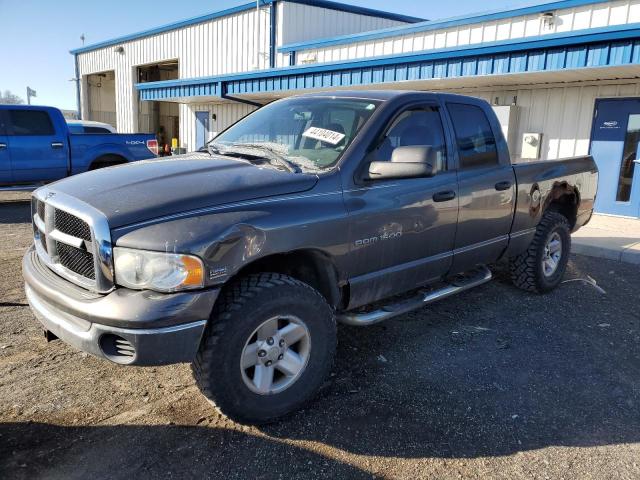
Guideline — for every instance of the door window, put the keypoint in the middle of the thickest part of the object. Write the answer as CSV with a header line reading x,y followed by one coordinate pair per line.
x,y
415,127
474,137
30,122
629,158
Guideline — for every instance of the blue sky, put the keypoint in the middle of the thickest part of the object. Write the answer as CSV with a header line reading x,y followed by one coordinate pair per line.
x,y
36,35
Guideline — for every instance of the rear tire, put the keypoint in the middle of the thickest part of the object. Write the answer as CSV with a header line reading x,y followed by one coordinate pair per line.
x,y
234,357
541,267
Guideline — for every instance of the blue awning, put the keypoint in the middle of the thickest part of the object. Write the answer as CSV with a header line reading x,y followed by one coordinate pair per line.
x,y
604,47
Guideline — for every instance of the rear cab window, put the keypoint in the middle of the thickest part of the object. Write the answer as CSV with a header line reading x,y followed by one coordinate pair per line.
x,y
3,123
96,130
474,137
29,123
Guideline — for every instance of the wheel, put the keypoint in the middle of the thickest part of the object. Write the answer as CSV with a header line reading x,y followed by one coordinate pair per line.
x,y
268,348
107,161
541,267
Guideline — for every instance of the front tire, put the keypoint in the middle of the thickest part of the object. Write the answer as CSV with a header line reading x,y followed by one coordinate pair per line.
x,y
542,266
268,348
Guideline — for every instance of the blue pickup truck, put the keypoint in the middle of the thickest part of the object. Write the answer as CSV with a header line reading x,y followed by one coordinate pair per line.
x,y
36,147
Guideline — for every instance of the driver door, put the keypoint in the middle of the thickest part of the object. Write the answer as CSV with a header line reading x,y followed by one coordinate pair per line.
x,y
402,231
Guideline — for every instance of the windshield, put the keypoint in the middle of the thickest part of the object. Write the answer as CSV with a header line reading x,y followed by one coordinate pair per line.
x,y
305,133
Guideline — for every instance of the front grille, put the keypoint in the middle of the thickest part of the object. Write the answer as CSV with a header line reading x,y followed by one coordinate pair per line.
x,y
71,225
67,241
43,241
40,209
77,260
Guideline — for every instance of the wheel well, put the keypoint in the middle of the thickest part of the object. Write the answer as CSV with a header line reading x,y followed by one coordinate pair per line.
x,y
107,161
565,201
313,267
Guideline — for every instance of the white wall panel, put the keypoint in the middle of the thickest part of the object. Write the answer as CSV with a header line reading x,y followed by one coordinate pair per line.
x,y
220,46
570,19
300,23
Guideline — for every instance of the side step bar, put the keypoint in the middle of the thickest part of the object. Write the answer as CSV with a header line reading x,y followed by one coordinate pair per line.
x,y
459,284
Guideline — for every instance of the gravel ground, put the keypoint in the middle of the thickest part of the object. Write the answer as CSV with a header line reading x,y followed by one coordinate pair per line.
x,y
495,383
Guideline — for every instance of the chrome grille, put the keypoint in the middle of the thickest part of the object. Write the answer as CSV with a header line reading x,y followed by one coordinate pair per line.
x,y
71,225
72,239
40,209
77,260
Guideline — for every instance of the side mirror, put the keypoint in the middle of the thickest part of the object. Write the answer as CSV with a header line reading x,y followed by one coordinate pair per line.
x,y
406,162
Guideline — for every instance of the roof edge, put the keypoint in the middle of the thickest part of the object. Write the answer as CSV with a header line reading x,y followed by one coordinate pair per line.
x,y
533,7
346,7
238,9
167,27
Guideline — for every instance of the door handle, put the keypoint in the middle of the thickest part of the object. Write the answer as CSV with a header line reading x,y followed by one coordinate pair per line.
x,y
3,146
502,186
444,196
635,161
57,145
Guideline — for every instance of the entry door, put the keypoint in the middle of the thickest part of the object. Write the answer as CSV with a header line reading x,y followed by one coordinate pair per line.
x,y
615,145
202,129
38,152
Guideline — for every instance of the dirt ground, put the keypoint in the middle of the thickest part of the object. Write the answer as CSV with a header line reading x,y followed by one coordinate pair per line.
x,y
495,383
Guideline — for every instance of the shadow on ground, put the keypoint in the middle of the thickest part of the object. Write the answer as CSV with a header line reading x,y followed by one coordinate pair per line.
x,y
495,373
15,211
484,375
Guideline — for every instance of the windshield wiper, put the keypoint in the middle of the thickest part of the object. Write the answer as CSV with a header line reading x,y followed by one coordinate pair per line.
x,y
274,157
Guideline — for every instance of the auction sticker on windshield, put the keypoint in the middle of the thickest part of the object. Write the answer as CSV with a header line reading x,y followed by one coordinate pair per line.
x,y
324,135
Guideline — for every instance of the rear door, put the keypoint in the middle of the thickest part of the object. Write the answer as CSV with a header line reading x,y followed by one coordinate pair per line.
x,y
38,152
486,184
5,155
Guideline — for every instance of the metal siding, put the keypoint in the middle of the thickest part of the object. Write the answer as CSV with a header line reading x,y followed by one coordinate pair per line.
x,y
220,46
569,19
299,23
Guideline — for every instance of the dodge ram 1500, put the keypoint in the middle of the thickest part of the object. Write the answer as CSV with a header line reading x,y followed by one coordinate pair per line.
x,y
349,207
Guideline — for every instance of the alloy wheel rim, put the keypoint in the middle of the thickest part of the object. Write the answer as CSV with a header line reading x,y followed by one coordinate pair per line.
x,y
275,355
552,255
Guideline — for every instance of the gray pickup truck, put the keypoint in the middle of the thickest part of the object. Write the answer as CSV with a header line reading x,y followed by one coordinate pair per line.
x,y
349,207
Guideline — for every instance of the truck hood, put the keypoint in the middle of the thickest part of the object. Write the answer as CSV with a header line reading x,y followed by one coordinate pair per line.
x,y
146,190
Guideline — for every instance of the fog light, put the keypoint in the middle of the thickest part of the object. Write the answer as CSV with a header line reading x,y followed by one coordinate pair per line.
x,y
117,349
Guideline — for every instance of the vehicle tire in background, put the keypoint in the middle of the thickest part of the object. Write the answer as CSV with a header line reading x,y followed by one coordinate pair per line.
x,y
541,267
268,348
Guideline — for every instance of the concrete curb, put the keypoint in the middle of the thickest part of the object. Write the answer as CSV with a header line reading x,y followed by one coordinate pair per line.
x,y
626,255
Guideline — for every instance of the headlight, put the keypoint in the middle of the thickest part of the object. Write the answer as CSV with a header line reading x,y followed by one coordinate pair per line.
x,y
163,272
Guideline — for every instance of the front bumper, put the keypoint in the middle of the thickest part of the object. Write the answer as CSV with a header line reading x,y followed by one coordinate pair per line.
x,y
125,326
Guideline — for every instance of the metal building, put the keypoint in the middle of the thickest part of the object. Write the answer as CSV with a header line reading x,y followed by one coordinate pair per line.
x,y
563,76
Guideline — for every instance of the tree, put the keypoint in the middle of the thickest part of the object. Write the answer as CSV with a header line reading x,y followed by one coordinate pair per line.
x,y
9,98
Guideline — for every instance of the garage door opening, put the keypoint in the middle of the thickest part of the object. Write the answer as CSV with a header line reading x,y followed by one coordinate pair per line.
x,y
159,118
101,97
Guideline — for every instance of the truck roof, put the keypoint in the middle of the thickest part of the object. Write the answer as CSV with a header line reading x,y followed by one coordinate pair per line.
x,y
386,95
